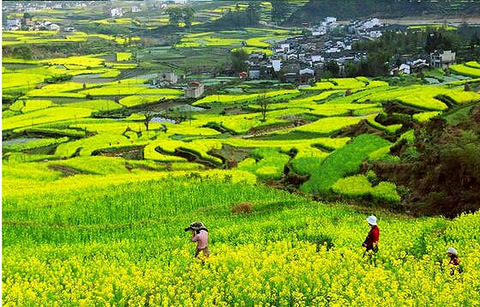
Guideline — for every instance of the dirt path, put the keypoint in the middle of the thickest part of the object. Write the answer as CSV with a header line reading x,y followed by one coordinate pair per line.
x,y
422,20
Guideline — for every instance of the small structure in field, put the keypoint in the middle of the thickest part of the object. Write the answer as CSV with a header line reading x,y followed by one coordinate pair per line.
x,y
194,90
167,78
242,75
52,27
254,72
307,75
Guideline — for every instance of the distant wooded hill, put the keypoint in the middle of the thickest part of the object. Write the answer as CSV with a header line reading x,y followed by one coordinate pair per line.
x,y
316,10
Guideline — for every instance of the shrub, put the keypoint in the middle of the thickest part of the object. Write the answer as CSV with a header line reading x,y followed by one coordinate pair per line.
x,y
242,208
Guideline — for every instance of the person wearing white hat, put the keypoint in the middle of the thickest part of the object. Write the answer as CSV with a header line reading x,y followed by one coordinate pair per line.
x,y
453,254
371,242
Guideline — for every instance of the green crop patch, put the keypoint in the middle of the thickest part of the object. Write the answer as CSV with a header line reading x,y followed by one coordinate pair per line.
x,y
132,101
99,105
359,186
266,163
471,70
127,90
49,115
328,125
341,162
232,99
30,105
123,56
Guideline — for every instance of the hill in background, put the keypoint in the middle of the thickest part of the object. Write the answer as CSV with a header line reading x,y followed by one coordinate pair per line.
x,y
348,9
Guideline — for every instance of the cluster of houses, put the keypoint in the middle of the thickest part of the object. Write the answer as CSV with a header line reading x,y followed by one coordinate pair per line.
x,y
34,6
437,59
30,7
328,24
304,58
370,28
26,23
115,12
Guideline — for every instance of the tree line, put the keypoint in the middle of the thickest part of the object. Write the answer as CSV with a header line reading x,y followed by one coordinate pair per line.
x,y
239,18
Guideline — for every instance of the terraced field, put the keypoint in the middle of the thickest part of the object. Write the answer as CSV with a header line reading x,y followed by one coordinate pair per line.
x,y
251,39
471,69
307,131
12,38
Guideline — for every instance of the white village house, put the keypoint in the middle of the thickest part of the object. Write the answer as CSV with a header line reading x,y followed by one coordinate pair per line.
x,y
52,27
276,64
116,12
166,78
13,24
442,58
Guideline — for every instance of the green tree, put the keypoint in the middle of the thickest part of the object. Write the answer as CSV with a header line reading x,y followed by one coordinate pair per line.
x,y
351,69
188,16
474,41
175,15
375,64
262,102
148,117
332,69
239,58
253,13
438,40
441,167
280,10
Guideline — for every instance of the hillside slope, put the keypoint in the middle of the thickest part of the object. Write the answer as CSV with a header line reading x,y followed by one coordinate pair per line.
x,y
315,10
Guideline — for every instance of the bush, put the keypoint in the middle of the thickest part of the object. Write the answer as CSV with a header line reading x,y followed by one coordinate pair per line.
x,y
441,167
22,52
58,79
242,208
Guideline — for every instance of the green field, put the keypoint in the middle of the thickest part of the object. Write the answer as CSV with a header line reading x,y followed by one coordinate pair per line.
x,y
304,120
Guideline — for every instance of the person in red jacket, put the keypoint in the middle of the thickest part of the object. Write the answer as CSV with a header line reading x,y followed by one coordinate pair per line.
x,y
371,242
